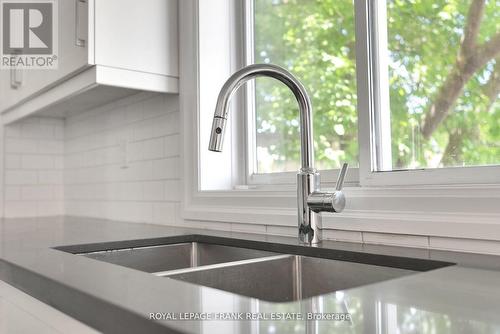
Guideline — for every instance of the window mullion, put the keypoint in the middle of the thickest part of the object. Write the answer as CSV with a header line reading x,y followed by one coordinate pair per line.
x,y
381,129
249,99
364,77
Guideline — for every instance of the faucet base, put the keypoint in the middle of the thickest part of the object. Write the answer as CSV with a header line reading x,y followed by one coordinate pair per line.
x,y
309,235
310,225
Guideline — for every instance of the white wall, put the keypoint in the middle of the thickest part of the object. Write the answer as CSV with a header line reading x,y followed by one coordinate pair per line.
x,y
119,161
122,161
33,168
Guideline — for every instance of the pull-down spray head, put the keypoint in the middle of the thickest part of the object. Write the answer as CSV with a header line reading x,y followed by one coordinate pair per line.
x,y
276,72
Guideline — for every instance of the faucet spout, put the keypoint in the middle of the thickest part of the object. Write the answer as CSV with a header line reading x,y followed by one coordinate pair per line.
x,y
311,201
267,70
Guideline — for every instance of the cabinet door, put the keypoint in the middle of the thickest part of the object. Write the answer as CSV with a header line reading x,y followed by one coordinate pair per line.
x,y
143,37
72,32
11,87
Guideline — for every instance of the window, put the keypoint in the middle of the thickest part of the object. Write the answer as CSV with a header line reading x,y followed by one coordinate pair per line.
x,y
434,74
443,60
231,187
315,40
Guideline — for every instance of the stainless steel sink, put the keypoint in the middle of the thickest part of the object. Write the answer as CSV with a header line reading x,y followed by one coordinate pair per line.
x,y
286,278
253,273
165,258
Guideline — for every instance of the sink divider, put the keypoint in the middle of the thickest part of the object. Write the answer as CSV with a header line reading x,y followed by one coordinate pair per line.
x,y
167,273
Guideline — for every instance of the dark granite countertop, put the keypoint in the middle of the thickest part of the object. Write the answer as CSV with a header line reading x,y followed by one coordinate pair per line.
x,y
461,298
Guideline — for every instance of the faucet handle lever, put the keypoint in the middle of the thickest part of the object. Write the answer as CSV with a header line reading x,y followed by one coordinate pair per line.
x,y
340,180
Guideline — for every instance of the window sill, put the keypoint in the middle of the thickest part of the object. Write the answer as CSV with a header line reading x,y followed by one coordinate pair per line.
x,y
460,211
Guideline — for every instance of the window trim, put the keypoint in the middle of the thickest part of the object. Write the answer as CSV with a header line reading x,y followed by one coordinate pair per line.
x,y
370,98
372,78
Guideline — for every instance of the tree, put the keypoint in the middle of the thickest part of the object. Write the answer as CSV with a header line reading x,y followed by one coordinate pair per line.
x,y
471,58
444,81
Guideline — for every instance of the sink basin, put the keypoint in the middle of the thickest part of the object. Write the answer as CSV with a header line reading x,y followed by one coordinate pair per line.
x,y
165,258
263,274
285,278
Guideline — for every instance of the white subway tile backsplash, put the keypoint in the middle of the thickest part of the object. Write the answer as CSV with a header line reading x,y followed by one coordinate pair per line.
x,y
153,191
396,239
130,211
12,193
13,131
50,177
57,123
466,245
134,151
172,146
153,149
208,225
166,125
38,192
134,113
129,191
59,132
342,235
50,147
19,145
33,167
136,171
13,161
52,208
20,177
37,130
118,154
118,161
172,190
248,228
282,230
159,105
13,209
58,162
58,193
166,168
143,130
37,162
164,213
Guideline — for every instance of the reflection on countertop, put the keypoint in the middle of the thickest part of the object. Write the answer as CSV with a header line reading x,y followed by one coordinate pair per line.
x,y
464,298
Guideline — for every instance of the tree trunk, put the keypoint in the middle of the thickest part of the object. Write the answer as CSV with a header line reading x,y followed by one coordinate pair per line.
x,y
452,155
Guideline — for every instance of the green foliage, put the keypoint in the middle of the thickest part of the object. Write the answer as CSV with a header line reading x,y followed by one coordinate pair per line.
x,y
315,40
424,41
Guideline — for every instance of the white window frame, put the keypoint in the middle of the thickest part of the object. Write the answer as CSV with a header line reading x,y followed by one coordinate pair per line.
x,y
447,202
372,77
370,64
371,43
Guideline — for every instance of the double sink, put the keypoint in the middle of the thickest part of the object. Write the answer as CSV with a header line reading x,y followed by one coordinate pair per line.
x,y
261,274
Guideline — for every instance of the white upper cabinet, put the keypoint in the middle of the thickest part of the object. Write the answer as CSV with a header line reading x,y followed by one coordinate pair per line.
x,y
19,84
107,49
153,35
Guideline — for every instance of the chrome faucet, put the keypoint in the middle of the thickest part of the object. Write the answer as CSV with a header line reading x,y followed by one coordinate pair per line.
x,y
311,200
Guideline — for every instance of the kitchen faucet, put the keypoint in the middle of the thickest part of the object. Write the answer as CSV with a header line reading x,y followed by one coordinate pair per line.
x,y
311,200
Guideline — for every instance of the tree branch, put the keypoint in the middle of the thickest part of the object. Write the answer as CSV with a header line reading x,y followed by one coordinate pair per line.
x,y
453,151
472,26
470,59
